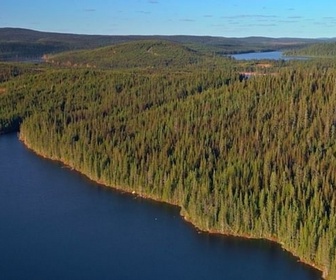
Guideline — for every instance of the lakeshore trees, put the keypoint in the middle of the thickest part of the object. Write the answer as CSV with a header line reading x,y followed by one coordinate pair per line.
x,y
240,156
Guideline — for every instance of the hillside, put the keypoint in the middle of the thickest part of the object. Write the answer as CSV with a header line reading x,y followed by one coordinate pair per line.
x,y
326,50
22,44
144,54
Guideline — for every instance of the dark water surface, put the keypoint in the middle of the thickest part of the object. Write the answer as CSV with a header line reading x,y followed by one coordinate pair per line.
x,y
56,224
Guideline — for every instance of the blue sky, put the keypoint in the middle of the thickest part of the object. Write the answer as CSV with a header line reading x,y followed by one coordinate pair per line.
x,y
227,18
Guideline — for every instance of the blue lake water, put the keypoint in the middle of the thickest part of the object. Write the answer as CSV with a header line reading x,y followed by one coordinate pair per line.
x,y
274,55
56,224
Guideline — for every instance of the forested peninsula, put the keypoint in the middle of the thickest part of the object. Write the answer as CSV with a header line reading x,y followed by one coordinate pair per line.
x,y
324,50
246,155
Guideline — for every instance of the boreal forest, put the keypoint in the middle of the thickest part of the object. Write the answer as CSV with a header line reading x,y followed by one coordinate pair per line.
x,y
244,148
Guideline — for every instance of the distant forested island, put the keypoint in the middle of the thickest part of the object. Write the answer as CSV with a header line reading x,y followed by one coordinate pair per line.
x,y
251,156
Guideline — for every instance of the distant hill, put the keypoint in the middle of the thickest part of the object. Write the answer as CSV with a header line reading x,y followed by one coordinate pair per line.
x,y
24,44
144,54
325,49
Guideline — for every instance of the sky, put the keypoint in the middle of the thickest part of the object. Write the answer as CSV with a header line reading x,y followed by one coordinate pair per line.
x,y
224,18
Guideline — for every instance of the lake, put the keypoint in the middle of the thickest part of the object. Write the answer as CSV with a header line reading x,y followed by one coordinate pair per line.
x,y
274,55
57,224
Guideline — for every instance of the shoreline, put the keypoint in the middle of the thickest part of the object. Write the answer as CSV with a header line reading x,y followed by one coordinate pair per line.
x,y
251,237
181,211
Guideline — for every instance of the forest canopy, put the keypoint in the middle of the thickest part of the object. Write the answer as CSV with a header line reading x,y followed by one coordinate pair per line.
x,y
326,50
242,155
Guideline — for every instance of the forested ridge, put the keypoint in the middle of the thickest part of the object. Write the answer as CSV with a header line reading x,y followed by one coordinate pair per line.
x,y
138,54
18,44
325,49
243,156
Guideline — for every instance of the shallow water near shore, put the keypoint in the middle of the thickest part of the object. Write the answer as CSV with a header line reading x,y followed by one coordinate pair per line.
x,y
57,224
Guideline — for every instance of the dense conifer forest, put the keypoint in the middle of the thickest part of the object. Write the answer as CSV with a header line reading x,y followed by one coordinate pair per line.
x,y
324,50
138,54
243,155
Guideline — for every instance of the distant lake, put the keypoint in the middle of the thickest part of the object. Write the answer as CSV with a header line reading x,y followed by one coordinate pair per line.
x,y
56,224
274,55
23,59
